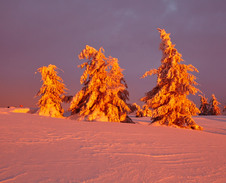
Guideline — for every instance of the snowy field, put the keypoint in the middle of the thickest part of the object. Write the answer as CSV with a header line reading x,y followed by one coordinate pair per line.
x,y
43,149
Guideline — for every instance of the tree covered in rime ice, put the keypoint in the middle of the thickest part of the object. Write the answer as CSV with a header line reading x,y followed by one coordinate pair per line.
x,y
139,112
51,92
214,109
104,93
168,99
204,107
142,112
146,111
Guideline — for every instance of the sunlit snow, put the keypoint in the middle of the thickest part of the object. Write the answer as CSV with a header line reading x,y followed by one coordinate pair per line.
x,y
43,149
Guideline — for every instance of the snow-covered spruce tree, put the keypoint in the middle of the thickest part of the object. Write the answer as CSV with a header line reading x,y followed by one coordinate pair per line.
x,y
168,99
117,93
204,107
132,108
104,93
51,92
144,112
139,112
214,109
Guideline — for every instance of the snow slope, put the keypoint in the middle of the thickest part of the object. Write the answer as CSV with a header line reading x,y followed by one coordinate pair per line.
x,y
43,149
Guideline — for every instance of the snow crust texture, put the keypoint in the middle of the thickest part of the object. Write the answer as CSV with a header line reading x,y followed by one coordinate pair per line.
x,y
43,149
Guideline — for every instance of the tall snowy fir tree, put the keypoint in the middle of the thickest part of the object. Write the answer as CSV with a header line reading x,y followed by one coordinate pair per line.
x,y
168,99
117,93
214,109
104,93
204,107
51,92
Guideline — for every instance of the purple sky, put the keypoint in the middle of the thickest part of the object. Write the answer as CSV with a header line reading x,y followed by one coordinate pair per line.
x,y
37,33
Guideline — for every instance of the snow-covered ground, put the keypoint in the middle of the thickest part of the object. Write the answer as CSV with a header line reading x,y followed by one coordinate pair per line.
x,y
43,149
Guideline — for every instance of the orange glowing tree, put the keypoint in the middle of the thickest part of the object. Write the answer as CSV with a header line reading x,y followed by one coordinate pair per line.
x,y
168,99
104,93
214,109
51,92
117,93
204,107
142,112
146,111
139,112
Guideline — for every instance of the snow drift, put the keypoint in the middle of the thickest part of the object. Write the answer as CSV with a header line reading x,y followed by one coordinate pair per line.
x,y
44,149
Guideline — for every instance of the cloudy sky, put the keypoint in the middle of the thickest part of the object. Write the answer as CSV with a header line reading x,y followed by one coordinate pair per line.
x,y
37,33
